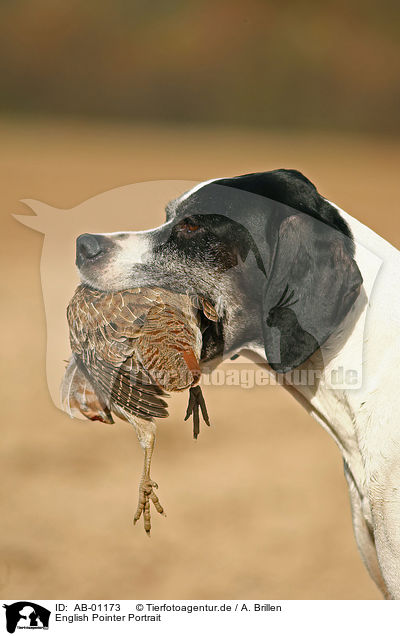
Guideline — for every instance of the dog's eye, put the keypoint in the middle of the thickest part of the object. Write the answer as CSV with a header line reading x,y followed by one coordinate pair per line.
x,y
188,226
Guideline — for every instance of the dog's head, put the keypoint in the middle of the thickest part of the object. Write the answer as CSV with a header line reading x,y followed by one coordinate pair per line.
x,y
273,257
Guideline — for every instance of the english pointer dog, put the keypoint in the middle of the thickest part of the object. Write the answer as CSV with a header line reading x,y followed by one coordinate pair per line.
x,y
300,287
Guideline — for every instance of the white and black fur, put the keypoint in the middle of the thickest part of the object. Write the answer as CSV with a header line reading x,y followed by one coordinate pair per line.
x,y
294,285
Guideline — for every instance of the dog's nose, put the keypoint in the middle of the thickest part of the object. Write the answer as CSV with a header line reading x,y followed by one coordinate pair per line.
x,y
88,246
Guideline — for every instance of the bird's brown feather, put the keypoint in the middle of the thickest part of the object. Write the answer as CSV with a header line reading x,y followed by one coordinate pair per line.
x,y
132,346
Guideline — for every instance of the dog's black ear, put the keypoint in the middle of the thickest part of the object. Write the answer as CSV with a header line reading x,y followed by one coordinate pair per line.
x,y
312,284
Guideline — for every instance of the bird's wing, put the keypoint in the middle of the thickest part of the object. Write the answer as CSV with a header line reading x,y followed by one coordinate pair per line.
x,y
104,328
107,323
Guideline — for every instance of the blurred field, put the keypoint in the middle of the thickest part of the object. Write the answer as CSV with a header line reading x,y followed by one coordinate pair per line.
x,y
326,65
258,507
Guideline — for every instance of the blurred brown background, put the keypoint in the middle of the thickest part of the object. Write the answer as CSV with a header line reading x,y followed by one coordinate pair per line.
x,y
98,95
331,64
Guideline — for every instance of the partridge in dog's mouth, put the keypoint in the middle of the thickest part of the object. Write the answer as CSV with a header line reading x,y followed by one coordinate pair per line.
x,y
129,349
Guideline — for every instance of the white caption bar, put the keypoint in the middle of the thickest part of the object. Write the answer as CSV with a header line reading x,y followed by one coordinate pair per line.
x,y
183,617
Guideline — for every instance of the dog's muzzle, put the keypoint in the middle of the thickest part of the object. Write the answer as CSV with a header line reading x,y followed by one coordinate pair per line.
x,y
89,247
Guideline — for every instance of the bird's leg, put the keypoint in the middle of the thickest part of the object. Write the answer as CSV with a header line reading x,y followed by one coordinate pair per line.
x,y
147,485
196,400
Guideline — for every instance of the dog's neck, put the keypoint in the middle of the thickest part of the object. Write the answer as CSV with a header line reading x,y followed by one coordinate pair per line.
x,y
342,396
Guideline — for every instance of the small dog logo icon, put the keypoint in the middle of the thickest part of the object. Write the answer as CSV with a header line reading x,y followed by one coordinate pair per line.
x,y
26,615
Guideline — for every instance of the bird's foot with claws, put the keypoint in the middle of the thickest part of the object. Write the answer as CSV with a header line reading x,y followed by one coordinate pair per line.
x,y
196,402
146,493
